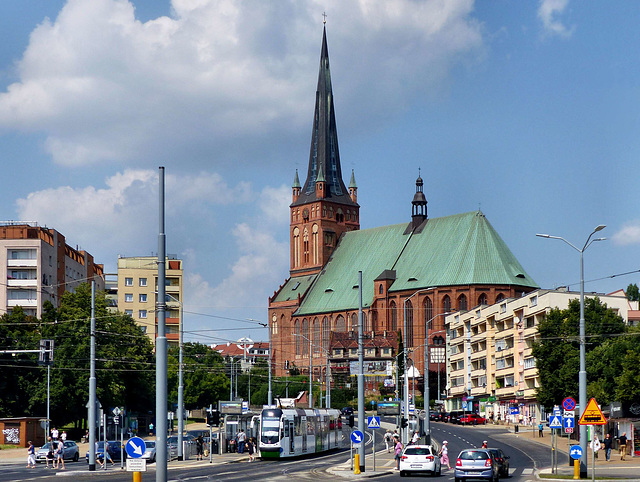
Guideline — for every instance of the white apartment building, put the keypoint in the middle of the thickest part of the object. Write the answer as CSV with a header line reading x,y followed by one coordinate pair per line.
x,y
137,287
490,366
38,265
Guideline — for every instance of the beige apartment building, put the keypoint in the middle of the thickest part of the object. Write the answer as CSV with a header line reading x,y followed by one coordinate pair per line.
x,y
490,366
38,265
137,287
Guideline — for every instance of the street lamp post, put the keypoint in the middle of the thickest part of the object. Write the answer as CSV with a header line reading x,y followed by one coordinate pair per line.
x,y
427,421
582,375
327,370
266,325
405,435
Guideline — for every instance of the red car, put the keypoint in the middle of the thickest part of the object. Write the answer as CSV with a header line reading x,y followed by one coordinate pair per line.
x,y
472,419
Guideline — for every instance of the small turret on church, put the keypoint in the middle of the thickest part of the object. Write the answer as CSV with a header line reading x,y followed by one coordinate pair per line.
x,y
418,206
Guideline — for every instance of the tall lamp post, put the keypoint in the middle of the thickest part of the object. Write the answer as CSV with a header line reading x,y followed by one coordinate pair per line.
x,y
427,396
582,375
327,370
405,433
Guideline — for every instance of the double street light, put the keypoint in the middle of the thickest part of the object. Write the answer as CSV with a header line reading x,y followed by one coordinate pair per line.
x,y
582,375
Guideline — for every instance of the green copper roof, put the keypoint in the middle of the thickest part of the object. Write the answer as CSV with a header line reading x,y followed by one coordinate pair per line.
x,y
293,287
461,249
352,182
296,180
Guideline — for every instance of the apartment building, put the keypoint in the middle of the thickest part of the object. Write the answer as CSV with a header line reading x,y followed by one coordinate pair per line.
x,y
40,266
137,287
490,366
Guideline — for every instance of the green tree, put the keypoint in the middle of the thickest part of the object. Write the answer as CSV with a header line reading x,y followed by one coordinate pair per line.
x,y
633,293
204,378
557,352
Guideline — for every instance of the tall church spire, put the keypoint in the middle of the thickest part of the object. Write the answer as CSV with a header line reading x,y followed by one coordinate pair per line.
x,y
324,155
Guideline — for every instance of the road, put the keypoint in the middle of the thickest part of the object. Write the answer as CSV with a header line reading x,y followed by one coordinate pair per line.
x,y
525,456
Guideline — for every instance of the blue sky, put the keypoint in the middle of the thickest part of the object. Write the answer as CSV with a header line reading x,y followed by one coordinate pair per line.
x,y
526,110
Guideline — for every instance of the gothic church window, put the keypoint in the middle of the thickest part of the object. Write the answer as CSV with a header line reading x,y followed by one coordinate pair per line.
x,y
296,247
483,300
297,333
305,245
393,317
446,304
462,303
409,314
428,310
316,245
341,326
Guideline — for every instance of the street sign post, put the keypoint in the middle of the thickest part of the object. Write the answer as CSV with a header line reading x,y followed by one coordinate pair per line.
x,y
356,438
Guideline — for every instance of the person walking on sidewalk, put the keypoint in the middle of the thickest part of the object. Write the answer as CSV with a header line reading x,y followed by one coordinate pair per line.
x,y
31,456
387,440
397,450
622,445
607,447
540,429
444,454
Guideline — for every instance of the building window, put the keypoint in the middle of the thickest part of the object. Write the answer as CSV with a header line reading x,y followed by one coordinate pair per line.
x,y
305,337
428,310
365,323
462,303
446,304
128,312
305,246
143,281
142,298
128,281
296,247
316,337
354,322
326,329
393,317
142,314
409,314
483,300
128,298
533,301
341,326
144,329
316,244
298,337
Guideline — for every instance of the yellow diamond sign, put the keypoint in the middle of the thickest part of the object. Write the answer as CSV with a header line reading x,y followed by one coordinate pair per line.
x,y
592,415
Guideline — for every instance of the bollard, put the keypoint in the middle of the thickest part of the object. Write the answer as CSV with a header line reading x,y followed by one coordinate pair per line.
x,y
576,469
356,463
137,477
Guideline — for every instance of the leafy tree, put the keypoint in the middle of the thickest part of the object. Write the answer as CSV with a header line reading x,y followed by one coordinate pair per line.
x,y
557,352
204,378
633,293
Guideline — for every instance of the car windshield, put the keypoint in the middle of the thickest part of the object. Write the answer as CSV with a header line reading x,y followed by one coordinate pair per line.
x,y
474,455
149,445
417,451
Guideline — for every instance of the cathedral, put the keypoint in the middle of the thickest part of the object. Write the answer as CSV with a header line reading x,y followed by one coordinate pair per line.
x,y
412,273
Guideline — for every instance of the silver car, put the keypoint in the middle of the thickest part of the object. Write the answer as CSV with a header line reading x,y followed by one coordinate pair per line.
x,y
419,458
71,451
476,464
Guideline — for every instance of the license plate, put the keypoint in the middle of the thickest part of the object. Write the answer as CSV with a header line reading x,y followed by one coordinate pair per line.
x,y
416,466
474,473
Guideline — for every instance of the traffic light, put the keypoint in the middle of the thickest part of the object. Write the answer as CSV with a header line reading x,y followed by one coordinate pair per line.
x,y
404,422
46,352
351,421
213,418
286,364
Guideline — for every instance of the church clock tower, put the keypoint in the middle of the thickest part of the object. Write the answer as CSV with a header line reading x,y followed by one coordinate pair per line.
x,y
323,208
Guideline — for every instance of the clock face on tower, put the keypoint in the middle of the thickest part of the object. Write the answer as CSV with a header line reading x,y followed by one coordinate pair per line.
x,y
305,213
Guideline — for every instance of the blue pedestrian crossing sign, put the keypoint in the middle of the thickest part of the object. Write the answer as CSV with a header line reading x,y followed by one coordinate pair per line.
x,y
357,437
135,447
555,422
575,451
373,422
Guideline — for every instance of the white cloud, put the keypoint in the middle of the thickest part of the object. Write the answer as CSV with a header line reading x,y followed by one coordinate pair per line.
x,y
629,234
549,12
103,86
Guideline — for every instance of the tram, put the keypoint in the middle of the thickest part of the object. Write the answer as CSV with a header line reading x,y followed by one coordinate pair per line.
x,y
295,432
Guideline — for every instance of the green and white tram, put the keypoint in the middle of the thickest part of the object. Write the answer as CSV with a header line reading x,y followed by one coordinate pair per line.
x,y
295,432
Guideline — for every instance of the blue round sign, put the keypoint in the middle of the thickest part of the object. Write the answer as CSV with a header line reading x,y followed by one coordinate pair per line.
x,y
576,452
135,447
357,437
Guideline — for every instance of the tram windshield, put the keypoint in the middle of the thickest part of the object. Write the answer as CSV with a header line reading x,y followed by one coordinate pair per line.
x,y
270,429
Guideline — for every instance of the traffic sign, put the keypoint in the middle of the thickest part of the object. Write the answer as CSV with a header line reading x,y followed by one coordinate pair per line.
x,y
373,422
569,403
575,451
136,465
569,414
568,430
357,437
592,415
556,410
555,422
135,447
568,423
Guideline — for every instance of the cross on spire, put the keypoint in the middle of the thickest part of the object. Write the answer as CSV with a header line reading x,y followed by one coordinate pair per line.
x,y
324,18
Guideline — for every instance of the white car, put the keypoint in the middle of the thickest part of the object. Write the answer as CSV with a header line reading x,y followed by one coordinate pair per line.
x,y
419,458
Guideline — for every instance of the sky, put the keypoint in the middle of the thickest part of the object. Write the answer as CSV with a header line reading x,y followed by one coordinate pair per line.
x,y
525,110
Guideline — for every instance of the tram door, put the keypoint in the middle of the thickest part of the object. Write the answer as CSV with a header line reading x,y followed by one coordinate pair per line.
x,y
304,430
288,432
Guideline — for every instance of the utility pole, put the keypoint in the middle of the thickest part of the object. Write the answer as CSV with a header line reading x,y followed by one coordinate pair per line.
x,y
361,373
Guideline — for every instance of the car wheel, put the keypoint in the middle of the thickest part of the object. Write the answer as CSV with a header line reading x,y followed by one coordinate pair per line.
x,y
475,422
76,457
403,473
457,479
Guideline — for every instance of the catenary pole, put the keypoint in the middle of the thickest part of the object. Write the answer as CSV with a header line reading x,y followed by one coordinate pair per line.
x,y
360,372
161,347
92,382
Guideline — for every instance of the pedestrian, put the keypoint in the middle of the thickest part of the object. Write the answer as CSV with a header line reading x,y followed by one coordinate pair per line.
x,y
250,449
60,455
63,436
31,455
100,462
54,434
107,453
607,447
484,444
444,454
199,447
242,437
622,445
415,438
387,440
540,429
86,437
397,450
50,454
